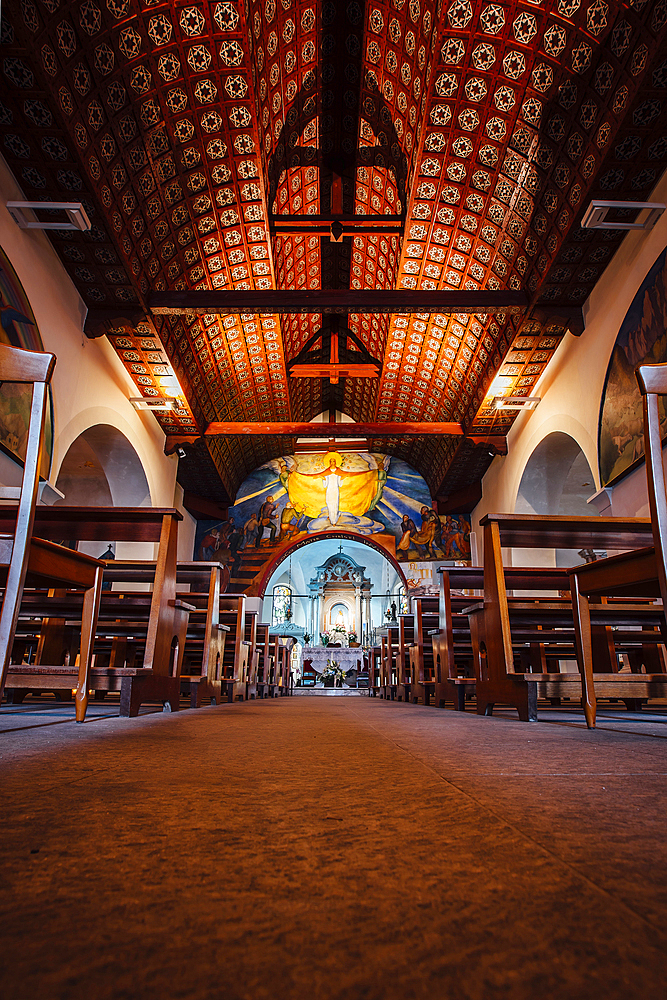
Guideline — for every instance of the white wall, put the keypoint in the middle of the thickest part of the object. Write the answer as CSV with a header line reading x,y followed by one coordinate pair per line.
x,y
571,387
90,385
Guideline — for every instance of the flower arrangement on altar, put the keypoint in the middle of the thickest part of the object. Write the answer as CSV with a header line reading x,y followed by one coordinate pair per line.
x,y
334,673
337,634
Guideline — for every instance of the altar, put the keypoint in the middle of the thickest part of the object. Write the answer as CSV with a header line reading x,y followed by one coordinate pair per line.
x,y
345,657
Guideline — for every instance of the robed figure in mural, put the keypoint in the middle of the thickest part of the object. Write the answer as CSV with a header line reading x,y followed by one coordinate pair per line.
x,y
332,478
338,490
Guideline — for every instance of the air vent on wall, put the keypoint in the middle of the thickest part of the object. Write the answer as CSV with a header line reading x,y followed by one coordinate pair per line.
x,y
24,214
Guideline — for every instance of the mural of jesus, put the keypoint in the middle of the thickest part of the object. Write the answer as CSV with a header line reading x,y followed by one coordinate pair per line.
x,y
331,480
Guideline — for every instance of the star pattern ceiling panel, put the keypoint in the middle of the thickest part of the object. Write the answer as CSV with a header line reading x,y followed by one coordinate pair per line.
x,y
45,162
157,104
513,133
399,39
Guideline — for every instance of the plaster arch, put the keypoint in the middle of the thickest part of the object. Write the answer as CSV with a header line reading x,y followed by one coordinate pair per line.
x,y
556,424
284,553
557,478
102,467
501,483
161,490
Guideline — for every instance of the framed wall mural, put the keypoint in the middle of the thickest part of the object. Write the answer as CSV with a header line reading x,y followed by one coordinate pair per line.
x,y
641,338
18,328
296,496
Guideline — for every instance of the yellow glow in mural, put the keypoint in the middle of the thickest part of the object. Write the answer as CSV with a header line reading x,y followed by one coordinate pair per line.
x,y
331,488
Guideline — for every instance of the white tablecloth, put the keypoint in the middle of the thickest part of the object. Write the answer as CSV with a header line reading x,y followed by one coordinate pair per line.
x,y
347,658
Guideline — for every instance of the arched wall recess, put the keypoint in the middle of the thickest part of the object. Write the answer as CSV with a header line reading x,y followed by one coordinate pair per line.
x,y
557,479
102,468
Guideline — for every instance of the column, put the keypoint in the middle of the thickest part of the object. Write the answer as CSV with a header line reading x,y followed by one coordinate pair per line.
x,y
367,615
320,613
358,623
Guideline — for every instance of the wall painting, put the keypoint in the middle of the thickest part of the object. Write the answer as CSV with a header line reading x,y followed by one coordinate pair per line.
x,y
18,328
294,497
642,338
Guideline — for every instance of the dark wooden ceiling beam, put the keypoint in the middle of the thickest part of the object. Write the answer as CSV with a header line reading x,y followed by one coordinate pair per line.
x,y
340,301
321,430
348,430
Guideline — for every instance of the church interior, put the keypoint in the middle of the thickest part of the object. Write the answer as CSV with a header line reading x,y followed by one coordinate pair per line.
x,y
333,499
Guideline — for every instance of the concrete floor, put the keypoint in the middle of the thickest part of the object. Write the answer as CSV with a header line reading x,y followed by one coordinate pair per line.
x,y
331,848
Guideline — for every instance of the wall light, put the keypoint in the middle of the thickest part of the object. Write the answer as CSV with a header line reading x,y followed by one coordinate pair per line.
x,y
596,215
141,403
23,214
516,402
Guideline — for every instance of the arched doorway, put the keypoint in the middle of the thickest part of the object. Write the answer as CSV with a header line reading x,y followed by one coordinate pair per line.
x,y
557,479
101,468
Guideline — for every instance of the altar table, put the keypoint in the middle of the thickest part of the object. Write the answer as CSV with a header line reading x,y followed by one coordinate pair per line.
x,y
346,657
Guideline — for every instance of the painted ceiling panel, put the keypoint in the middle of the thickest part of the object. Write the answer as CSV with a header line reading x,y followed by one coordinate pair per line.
x,y
199,135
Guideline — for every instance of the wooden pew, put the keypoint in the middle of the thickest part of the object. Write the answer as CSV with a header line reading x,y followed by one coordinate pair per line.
x,y
164,617
406,634
27,556
426,618
454,653
389,663
253,654
452,647
374,671
263,659
280,683
205,637
497,679
641,573
237,649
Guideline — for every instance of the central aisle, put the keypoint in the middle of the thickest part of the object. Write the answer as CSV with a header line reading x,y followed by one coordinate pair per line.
x,y
332,848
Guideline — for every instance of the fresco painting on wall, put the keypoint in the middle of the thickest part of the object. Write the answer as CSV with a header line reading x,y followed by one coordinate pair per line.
x,y
362,493
19,329
422,579
641,338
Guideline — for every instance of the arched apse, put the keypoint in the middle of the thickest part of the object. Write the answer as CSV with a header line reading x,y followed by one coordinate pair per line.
x,y
557,479
295,568
349,541
101,468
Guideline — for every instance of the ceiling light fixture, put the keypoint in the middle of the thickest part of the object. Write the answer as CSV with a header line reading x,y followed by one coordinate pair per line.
x,y
23,214
516,402
596,215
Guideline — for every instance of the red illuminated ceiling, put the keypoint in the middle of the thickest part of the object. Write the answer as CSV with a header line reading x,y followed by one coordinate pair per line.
x,y
190,130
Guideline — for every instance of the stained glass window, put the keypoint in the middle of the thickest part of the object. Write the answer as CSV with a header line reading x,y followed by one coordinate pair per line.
x,y
403,600
282,605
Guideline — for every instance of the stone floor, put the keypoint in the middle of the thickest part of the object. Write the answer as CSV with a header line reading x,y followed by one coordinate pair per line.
x,y
339,848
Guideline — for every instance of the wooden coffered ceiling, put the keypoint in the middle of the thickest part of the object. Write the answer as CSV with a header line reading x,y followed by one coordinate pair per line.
x,y
199,135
